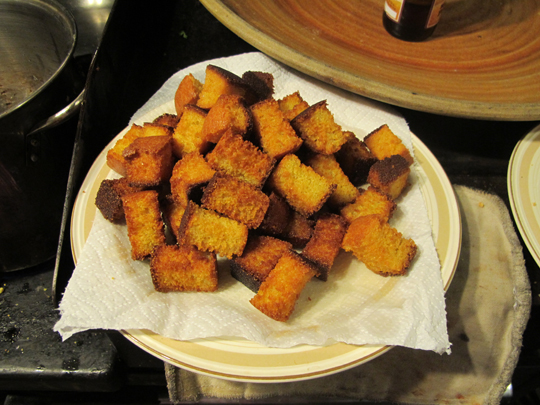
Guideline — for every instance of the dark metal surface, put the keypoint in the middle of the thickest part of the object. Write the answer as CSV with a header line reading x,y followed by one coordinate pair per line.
x,y
144,43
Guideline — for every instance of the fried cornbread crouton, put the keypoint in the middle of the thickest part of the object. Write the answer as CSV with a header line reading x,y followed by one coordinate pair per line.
x,y
187,93
115,158
369,202
109,198
173,213
262,83
219,81
278,293
211,232
274,133
390,175
229,112
236,199
292,105
183,268
187,136
325,244
299,230
167,120
145,226
304,190
277,216
328,167
237,157
380,247
355,159
149,161
260,256
317,127
383,143
190,171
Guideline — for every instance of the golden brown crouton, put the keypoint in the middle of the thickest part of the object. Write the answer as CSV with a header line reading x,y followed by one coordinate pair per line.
x,y
379,246
229,112
328,167
325,244
219,81
292,105
144,223
109,198
355,159
236,199
173,213
370,201
187,136
183,268
390,175
299,230
277,216
274,133
383,143
149,161
167,120
262,84
190,171
211,232
260,256
279,292
317,127
304,190
187,93
240,158
115,159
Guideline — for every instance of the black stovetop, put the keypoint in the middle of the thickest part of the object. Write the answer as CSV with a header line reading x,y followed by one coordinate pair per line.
x,y
102,366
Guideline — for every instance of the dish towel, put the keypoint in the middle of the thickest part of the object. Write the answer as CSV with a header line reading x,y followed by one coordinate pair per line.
x,y
488,306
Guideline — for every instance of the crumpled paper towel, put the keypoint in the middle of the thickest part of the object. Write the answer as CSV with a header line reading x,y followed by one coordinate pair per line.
x,y
110,291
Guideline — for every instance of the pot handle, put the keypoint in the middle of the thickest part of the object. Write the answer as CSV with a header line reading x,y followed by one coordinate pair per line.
x,y
61,116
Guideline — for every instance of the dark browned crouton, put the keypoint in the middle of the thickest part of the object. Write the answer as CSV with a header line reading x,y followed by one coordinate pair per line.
x,y
383,143
262,84
109,198
260,256
277,216
390,175
355,159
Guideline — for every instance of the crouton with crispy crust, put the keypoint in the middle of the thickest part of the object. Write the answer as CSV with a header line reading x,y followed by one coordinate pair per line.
x,y
109,198
279,292
219,81
149,161
299,230
390,175
262,84
370,201
292,105
304,189
183,268
274,132
380,247
229,112
320,132
211,232
237,157
187,136
187,93
277,216
145,226
325,243
355,159
383,143
190,171
260,256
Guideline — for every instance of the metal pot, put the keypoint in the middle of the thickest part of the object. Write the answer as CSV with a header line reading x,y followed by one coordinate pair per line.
x,y
37,93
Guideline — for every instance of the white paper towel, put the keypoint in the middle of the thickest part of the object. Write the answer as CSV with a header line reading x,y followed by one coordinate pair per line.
x,y
110,291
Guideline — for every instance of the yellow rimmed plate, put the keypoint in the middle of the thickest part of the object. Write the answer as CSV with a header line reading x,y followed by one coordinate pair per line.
x,y
524,190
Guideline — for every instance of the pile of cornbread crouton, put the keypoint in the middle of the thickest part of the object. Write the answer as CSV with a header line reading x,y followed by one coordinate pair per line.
x,y
275,186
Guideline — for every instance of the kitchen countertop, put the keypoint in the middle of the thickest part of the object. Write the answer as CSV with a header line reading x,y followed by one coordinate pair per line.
x,y
103,365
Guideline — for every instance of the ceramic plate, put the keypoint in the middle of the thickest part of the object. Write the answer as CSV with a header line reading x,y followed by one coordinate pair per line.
x,y
242,360
482,62
524,191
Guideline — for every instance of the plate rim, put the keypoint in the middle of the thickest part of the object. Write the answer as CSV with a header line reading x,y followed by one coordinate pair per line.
x,y
517,183
149,342
364,86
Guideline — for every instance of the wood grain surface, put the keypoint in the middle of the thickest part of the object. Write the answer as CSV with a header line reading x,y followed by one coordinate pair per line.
x,y
483,60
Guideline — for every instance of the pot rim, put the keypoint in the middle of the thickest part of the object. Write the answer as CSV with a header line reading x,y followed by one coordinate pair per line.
x,y
57,9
